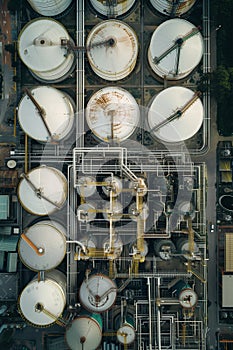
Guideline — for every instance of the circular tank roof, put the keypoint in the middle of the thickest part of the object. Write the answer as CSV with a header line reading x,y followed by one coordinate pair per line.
x,y
39,45
48,293
86,212
172,8
49,7
98,293
126,334
86,186
76,334
112,49
112,113
112,211
112,186
165,105
117,8
58,113
226,202
48,236
43,190
176,48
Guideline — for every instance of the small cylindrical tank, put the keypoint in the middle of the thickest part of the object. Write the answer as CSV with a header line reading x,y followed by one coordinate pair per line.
x,y
49,8
164,248
58,111
41,298
186,295
112,186
186,208
113,8
176,48
133,248
85,332
182,246
42,190
175,114
172,8
41,50
97,293
126,332
49,241
112,113
134,214
113,211
117,246
226,202
86,186
86,212
112,49
89,241
138,187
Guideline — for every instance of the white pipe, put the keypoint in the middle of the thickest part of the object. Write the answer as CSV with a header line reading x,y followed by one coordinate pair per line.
x,y
80,244
158,316
150,318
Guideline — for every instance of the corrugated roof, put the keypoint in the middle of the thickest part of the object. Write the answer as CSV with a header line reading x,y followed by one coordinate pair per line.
x,y
2,258
8,243
12,262
4,207
229,252
227,287
226,176
5,230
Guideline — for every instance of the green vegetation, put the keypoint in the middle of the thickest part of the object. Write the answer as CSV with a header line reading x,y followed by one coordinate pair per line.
x,y
222,79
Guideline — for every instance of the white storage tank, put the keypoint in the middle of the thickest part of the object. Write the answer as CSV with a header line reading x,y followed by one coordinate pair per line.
x,y
42,246
134,213
112,211
112,113
85,332
97,293
42,302
42,190
126,332
117,246
40,49
86,212
112,8
138,187
112,186
176,48
53,118
187,296
49,8
86,186
172,8
112,49
175,114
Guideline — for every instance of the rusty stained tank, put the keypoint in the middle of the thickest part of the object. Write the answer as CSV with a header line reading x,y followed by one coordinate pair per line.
x,y
112,49
112,113
172,8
